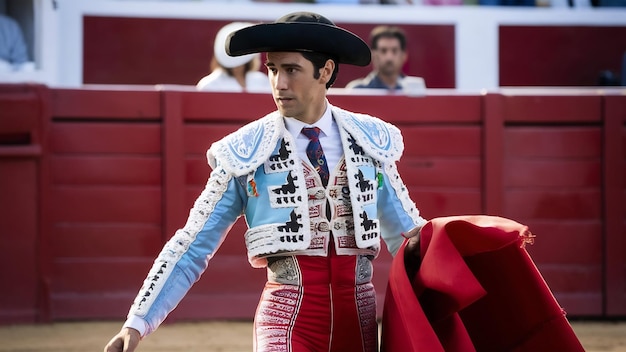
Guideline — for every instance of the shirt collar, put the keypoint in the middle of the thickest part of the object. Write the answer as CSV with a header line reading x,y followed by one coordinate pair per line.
x,y
295,126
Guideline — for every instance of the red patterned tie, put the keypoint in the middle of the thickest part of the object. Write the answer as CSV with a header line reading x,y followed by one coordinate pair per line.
x,y
315,153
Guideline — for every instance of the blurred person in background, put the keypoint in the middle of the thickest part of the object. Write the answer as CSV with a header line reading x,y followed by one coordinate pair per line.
x,y
230,73
388,47
13,52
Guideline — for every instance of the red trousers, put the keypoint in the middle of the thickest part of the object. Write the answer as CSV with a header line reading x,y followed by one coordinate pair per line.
x,y
317,304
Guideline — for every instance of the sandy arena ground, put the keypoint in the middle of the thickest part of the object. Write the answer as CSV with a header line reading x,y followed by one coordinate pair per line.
x,y
216,336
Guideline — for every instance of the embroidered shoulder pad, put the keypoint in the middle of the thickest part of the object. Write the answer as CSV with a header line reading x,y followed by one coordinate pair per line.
x,y
380,139
244,150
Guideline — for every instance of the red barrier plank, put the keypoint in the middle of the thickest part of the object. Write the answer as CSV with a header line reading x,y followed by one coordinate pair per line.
x,y
200,136
95,306
89,275
399,109
553,172
220,107
122,104
550,203
105,170
105,240
577,279
20,109
434,202
442,172
21,151
100,137
584,305
442,141
553,142
553,109
581,239
404,110
575,289
104,204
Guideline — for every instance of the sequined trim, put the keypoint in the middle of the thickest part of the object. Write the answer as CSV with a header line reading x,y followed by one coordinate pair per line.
x,y
275,317
362,178
403,194
178,245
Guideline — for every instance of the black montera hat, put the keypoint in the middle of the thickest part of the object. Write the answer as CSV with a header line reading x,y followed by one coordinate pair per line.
x,y
300,31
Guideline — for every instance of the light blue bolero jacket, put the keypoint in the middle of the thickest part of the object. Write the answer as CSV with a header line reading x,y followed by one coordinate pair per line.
x,y
253,165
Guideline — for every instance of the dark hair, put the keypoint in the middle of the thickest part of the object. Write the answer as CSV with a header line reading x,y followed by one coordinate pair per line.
x,y
387,32
319,60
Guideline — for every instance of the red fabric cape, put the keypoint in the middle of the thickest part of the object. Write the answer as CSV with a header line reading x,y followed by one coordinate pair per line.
x,y
477,289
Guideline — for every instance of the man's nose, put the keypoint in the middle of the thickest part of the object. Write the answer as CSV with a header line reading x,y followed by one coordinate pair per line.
x,y
280,81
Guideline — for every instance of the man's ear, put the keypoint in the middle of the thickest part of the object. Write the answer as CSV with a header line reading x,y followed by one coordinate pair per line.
x,y
326,72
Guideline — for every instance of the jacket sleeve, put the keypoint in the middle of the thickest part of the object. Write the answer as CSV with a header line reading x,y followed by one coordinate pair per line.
x,y
186,255
396,211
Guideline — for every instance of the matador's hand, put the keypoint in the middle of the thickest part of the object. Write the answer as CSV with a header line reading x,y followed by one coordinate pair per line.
x,y
412,256
126,340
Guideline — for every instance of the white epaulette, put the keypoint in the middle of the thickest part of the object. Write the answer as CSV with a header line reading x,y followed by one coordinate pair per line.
x,y
379,139
244,150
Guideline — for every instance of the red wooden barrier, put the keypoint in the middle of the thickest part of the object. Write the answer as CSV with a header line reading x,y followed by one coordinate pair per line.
x,y
552,182
119,168
614,204
23,122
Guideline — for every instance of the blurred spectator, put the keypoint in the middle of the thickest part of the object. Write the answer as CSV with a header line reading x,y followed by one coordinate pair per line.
x,y
341,2
388,46
529,3
442,2
608,3
233,73
13,52
346,2
608,78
